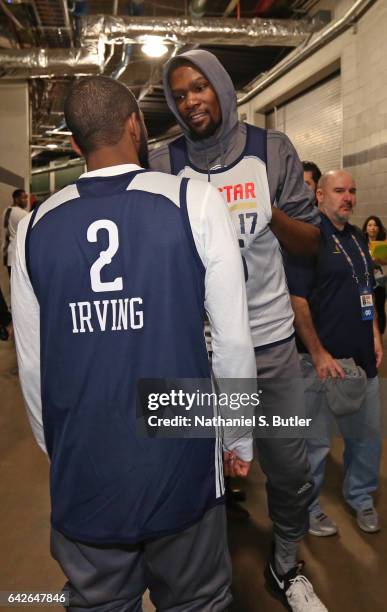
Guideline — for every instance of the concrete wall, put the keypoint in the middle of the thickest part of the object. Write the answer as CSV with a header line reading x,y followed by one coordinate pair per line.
x,y
360,53
14,130
14,150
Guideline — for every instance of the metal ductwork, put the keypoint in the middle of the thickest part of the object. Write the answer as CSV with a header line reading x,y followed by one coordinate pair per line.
x,y
209,31
329,33
31,63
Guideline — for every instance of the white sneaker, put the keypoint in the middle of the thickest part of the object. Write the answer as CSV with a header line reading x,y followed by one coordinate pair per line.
x,y
368,520
321,525
301,596
293,589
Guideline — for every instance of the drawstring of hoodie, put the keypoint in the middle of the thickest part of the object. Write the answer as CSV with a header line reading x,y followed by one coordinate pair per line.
x,y
208,167
222,160
222,154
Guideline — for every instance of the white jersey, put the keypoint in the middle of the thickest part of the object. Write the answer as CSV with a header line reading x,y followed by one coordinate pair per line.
x,y
244,187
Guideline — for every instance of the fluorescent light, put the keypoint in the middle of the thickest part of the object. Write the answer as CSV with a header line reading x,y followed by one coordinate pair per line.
x,y
153,46
52,145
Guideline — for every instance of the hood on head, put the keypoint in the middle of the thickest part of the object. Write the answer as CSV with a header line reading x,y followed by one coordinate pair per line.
x,y
220,80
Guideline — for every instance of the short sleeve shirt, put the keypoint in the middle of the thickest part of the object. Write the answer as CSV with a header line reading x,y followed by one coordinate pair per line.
x,y
333,294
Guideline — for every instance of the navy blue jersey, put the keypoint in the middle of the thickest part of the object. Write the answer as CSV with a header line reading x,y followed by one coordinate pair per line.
x,y
120,288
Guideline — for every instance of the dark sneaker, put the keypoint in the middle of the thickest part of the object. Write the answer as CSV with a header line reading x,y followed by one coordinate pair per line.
x,y
368,520
321,525
293,589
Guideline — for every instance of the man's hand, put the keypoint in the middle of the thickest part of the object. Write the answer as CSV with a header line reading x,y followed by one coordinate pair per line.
x,y
234,466
326,365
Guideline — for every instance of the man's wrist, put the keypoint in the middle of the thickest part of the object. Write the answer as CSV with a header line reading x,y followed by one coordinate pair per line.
x,y
242,447
317,352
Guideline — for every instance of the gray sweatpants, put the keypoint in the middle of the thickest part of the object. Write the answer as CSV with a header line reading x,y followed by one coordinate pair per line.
x,y
188,571
284,460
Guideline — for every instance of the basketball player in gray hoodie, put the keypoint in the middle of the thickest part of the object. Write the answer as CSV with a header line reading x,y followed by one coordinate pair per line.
x,y
260,177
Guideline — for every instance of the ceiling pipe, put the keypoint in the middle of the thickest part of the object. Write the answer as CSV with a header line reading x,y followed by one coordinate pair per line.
x,y
209,31
35,63
328,34
197,8
124,62
11,16
108,57
230,7
36,12
67,21
71,163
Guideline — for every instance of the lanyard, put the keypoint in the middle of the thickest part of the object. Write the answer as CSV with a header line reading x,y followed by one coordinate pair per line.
x,y
342,249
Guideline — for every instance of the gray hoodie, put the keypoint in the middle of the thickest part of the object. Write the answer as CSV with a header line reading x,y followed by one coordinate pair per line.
x,y
285,174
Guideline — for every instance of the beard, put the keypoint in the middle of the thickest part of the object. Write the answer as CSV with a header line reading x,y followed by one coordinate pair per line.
x,y
209,131
343,218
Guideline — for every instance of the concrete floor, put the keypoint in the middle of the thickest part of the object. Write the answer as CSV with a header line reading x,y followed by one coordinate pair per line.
x,y
348,571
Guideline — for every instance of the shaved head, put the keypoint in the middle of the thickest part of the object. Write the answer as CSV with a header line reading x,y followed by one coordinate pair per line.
x,y
332,175
336,196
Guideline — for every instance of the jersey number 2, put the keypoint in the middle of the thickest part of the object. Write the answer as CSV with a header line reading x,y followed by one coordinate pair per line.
x,y
105,257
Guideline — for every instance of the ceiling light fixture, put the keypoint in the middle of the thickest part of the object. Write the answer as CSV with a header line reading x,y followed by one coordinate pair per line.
x,y
153,46
52,145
